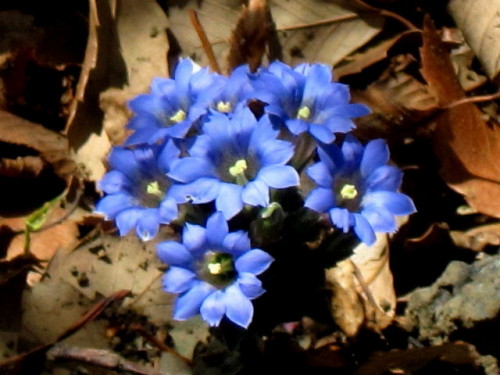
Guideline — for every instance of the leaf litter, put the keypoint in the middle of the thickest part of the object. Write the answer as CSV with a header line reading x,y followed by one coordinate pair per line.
x,y
372,309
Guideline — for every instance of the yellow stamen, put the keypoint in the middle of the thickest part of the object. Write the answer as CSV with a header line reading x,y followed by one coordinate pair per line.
x,y
179,116
153,188
238,168
304,113
348,191
224,107
214,268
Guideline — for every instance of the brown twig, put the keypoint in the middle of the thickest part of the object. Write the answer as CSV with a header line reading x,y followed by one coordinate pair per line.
x,y
327,21
388,14
207,47
100,358
159,344
473,99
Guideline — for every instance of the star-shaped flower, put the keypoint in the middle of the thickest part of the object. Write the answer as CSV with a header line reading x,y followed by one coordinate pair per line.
x,y
214,271
234,162
306,99
136,189
357,188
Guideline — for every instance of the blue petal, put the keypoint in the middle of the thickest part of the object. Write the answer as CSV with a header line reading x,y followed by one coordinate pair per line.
x,y
114,181
146,103
275,152
180,129
148,224
190,168
376,155
385,177
364,230
183,73
174,253
127,219
168,154
341,218
337,124
239,309
395,203
279,176
350,110
168,211
250,285
254,261
188,304
320,174
262,133
256,193
318,78
193,236
320,199
213,308
112,204
321,133
352,150
331,155
229,200
178,280
217,229
123,160
296,126
202,190
237,242
380,220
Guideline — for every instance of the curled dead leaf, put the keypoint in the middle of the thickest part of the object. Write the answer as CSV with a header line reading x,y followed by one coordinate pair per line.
x,y
467,147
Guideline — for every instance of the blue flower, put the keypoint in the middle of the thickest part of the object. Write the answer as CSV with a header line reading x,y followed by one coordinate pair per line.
x,y
234,162
306,99
227,93
357,188
136,188
168,109
214,271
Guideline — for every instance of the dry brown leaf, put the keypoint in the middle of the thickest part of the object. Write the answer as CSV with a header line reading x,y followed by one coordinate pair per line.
x,y
316,31
397,100
478,20
468,147
51,146
361,60
478,238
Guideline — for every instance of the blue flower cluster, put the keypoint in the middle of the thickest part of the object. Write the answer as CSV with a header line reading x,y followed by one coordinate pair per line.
x,y
201,138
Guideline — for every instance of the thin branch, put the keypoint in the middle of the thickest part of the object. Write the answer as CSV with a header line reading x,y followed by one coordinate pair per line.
x,y
327,21
100,358
159,344
207,47
474,99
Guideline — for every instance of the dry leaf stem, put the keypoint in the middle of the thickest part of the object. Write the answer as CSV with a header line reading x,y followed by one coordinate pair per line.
x,y
207,47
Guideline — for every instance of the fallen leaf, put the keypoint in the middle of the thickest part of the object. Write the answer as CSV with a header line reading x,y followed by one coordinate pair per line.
x,y
467,147
51,147
478,238
398,101
478,20
361,60
319,31
315,31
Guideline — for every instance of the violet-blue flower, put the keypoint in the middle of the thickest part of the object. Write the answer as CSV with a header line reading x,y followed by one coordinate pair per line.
x,y
357,188
135,189
234,162
214,271
306,99
168,108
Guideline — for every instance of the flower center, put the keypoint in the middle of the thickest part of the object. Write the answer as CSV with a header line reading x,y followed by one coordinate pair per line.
x,y
348,191
304,113
179,116
153,193
218,269
238,171
224,107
